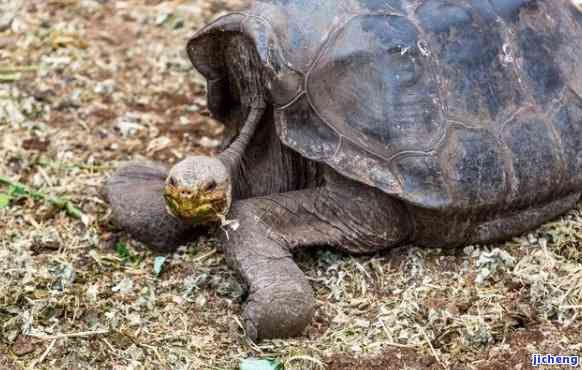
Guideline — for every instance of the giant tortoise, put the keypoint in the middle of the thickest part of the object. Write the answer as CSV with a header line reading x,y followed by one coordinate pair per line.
x,y
364,125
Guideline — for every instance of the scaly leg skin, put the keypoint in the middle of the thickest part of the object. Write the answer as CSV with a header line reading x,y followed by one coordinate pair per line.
x,y
135,194
280,302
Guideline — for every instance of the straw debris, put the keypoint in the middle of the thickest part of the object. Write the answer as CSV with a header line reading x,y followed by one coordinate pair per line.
x,y
86,85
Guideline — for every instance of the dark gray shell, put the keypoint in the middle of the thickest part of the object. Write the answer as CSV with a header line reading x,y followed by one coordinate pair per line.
x,y
445,104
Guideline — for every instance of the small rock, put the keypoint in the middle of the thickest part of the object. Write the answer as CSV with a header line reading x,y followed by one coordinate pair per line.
x,y
92,292
178,300
105,87
124,286
362,323
134,319
201,300
129,126
56,61
91,4
159,265
158,144
208,143
162,18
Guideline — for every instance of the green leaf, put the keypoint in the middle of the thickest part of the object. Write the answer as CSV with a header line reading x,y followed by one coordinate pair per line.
x,y
122,251
4,200
260,364
159,264
9,77
73,211
16,190
125,254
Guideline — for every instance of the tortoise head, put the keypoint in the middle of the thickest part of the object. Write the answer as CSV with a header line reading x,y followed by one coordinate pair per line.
x,y
198,190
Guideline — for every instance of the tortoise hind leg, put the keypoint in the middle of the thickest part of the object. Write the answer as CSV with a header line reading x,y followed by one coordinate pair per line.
x,y
280,301
134,193
507,226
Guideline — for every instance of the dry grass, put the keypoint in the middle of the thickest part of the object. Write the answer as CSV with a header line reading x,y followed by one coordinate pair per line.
x,y
88,84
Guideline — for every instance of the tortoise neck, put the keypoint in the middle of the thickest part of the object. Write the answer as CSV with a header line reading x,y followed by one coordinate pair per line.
x,y
232,156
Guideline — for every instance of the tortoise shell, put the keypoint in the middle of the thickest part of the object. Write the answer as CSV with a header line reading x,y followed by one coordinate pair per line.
x,y
458,104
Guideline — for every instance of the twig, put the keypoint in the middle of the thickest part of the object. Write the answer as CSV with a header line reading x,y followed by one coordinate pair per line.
x,y
43,356
572,320
434,353
304,358
60,203
398,345
70,335
9,77
17,69
111,348
205,256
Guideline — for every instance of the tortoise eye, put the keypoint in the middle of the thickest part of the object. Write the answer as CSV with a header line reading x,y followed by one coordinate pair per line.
x,y
211,186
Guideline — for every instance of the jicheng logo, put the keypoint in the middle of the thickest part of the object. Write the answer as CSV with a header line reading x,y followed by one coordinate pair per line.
x,y
558,360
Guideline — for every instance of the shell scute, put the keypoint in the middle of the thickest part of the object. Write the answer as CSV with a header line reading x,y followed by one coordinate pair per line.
x,y
372,85
299,127
419,173
441,15
475,57
509,9
540,44
474,166
535,158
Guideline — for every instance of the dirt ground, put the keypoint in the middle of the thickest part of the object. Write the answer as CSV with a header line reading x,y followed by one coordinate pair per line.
x,y
88,84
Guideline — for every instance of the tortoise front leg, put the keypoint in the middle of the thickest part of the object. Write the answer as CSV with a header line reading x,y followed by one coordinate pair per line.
x,y
280,301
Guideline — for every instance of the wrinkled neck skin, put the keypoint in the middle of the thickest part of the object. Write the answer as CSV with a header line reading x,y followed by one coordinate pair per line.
x,y
246,86
267,166
232,157
258,163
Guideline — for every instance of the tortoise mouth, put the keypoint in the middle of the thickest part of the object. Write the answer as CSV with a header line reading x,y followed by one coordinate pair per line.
x,y
198,208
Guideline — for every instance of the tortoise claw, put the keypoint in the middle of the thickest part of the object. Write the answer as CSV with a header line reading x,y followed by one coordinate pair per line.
x,y
280,310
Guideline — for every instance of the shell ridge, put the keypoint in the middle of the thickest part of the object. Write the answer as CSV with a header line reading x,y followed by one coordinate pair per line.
x,y
559,148
293,101
333,34
217,20
509,39
435,70
268,23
